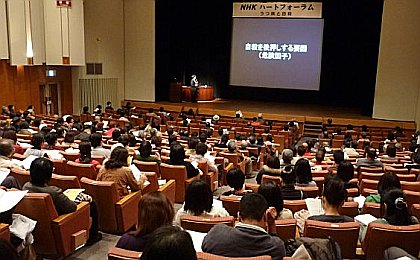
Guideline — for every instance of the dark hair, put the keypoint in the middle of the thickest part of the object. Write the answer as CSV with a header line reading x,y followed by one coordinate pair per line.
x,y
68,119
156,140
198,198
273,162
201,149
345,171
301,150
154,210
397,212
303,171
41,171
118,158
334,191
7,251
69,138
203,137
319,157
116,134
371,153
338,156
10,134
170,131
177,154
6,147
85,152
252,206
288,175
145,149
172,138
235,178
95,139
272,194
224,139
192,144
220,131
37,141
169,243
124,139
391,151
388,180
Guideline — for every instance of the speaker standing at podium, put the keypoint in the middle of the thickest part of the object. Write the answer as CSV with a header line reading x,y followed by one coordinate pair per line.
x,y
194,88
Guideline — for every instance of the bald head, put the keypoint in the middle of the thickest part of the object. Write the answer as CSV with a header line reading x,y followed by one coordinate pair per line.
x,y
6,147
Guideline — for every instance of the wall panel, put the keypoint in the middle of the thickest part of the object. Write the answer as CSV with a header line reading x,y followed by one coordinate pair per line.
x,y
4,45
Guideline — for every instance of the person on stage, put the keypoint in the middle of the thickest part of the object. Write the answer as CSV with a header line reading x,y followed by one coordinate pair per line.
x,y
194,88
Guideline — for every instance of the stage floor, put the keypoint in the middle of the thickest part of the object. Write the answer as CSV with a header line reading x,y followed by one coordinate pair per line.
x,y
275,108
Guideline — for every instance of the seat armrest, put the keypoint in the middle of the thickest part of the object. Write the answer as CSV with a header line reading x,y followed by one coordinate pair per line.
x,y
119,253
4,231
129,198
169,190
126,211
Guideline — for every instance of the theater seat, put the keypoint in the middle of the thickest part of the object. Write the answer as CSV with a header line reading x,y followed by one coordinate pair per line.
x,y
346,234
168,188
204,224
231,204
381,236
208,256
65,182
55,236
81,170
268,178
20,175
286,228
210,177
179,174
115,253
147,166
116,214
4,231
349,208
294,205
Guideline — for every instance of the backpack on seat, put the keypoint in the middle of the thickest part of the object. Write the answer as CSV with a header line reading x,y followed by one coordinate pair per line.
x,y
317,248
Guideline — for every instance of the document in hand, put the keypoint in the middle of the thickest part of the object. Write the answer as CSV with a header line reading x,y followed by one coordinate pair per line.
x,y
314,206
4,172
73,193
9,199
365,219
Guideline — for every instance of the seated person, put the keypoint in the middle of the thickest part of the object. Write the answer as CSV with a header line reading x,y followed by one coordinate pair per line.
x,y
286,158
97,149
272,168
6,154
199,202
319,158
145,154
232,149
391,152
251,236
86,154
11,134
288,189
370,160
7,251
338,157
41,173
303,174
388,180
235,178
333,198
117,170
169,243
223,141
345,171
155,210
202,155
177,157
272,194
36,142
395,211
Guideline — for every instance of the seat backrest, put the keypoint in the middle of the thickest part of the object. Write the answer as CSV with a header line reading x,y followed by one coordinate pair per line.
x,y
268,178
397,170
232,157
204,224
346,234
372,169
349,208
20,175
147,166
407,177
105,194
208,256
368,184
99,158
294,205
372,208
4,231
231,204
370,176
81,170
60,167
40,207
410,185
413,197
70,156
415,210
177,173
310,192
380,236
153,179
65,182
286,228
116,253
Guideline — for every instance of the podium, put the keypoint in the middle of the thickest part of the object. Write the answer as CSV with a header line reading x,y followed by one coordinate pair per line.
x,y
204,93
175,92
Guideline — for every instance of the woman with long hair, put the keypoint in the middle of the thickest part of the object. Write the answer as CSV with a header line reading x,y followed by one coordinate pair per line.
x,y
155,210
86,154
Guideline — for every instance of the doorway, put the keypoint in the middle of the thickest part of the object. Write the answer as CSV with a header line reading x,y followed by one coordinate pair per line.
x,y
50,99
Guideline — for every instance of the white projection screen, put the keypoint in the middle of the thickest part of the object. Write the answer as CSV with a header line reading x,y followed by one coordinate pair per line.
x,y
276,53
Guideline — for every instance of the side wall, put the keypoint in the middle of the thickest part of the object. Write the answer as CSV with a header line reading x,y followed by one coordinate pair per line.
x,y
398,77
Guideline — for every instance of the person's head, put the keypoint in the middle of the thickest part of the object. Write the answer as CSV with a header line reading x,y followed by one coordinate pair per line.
x,y
203,137
201,149
391,150
371,153
364,135
388,180
192,143
172,138
117,159
145,149
303,171
198,198
269,138
116,134
272,194
95,140
108,104
10,134
334,193
319,157
51,139
338,156
69,120
169,243
220,131
69,137
85,152
24,125
391,136
394,208
155,210
288,175
235,178
37,141
177,154
41,171
252,139
170,131
231,146
301,150
85,109
345,171
7,250
6,147
252,208
273,162
124,139
260,140
287,156
224,139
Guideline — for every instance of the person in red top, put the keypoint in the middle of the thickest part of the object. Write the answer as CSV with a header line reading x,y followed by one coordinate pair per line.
x,y
319,158
85,154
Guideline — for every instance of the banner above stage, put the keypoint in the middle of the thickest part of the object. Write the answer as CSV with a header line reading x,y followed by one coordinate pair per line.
x,y
278,9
